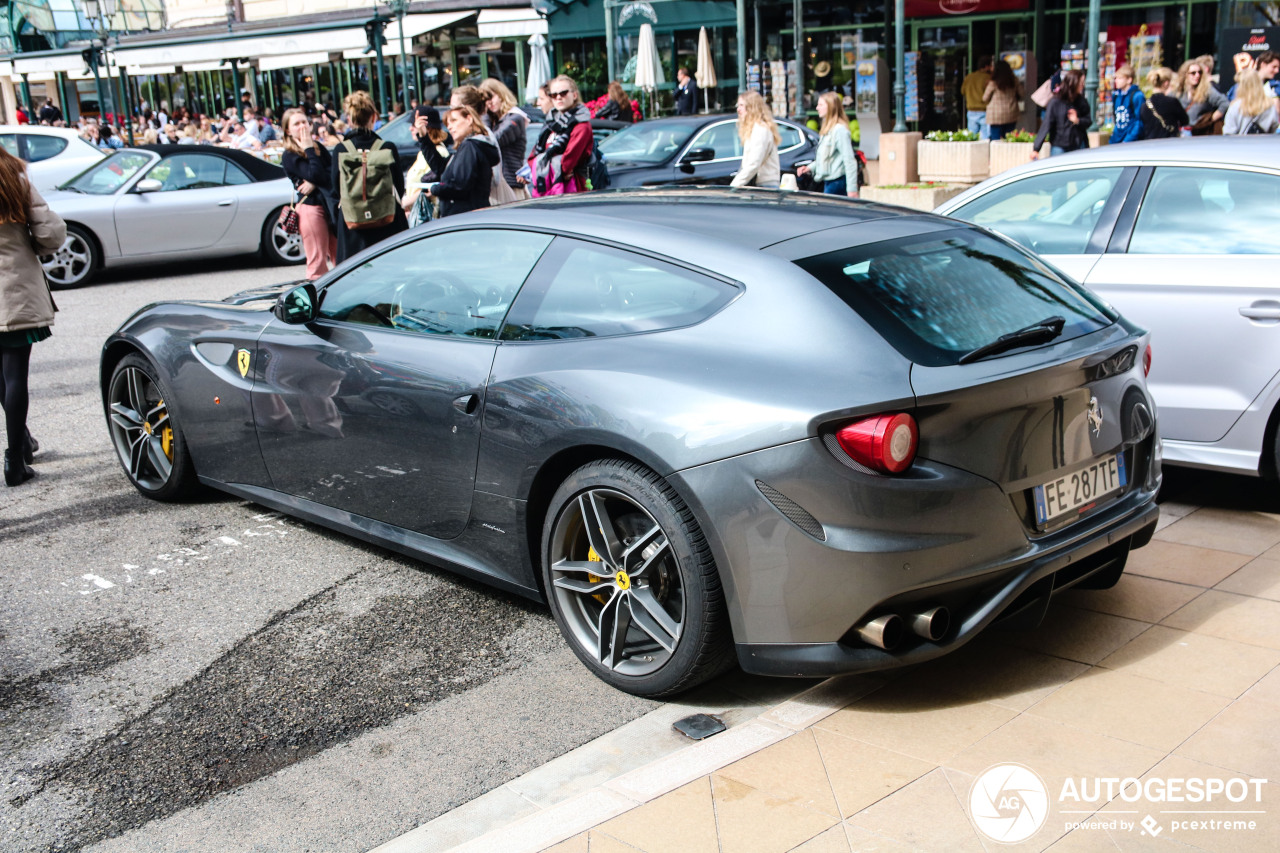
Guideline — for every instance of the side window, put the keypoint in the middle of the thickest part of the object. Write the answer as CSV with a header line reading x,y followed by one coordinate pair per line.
x,y
1053,214
236,175
41,147
190,172
457,283
721,137
1207,212
790,136
9,142
594,291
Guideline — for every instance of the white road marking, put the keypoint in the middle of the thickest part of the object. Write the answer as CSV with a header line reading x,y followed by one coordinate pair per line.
x,y
99,582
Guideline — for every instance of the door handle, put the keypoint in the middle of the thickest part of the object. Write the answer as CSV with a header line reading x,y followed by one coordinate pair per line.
x,y
467,404
226,202
1262,311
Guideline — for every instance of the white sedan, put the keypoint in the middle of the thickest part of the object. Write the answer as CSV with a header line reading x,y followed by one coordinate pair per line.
x,y
53,154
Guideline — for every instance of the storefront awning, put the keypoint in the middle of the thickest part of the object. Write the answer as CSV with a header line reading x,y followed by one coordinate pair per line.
x,y
511,23
281,44
48,64
414,25
148,70
292,60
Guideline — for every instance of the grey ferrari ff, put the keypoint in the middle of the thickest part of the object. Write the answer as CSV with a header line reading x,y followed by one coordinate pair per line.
x,y
818,435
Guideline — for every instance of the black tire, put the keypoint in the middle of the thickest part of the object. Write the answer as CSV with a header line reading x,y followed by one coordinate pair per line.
x,y
148,442
674,627
278,247
76,261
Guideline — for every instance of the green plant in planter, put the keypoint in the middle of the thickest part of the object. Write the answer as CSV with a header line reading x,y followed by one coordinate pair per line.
x,y
952,136
1020,136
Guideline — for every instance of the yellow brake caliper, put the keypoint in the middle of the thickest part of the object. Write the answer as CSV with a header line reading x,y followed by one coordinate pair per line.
x,y
593,557
166,438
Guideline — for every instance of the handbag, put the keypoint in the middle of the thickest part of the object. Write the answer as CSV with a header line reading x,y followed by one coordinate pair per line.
x,y
1042,95
421,211
290,223
500,191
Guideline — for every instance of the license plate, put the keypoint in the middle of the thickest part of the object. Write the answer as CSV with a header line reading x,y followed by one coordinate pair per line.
x,y
1080,489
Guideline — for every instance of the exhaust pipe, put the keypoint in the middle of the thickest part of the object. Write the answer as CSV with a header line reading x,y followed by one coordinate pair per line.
x,y
932,625
883,632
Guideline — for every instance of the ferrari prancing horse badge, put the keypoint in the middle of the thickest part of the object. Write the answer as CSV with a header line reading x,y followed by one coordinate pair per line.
x,y
242,360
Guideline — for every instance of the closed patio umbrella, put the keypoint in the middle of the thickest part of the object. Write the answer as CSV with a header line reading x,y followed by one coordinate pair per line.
x,y
539,67
648,66
706,73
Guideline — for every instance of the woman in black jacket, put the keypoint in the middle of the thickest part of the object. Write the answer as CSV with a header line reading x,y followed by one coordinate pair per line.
x,y
618,107
309,165
1066,118
466,180
360,109
1163,115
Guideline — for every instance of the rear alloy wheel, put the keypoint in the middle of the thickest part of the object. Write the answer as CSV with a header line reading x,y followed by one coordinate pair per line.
x,y
146,437
278,246
631,581
74,262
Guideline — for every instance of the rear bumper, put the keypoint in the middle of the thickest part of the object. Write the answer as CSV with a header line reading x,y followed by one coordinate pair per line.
x,y
1020,589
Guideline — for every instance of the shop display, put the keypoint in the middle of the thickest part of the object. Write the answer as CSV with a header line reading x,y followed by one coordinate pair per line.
x,y
1145,55
911,76
1107,64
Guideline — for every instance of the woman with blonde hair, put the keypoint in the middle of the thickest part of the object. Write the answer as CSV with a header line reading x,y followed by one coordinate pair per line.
x,y
760,138
28,228
1162,115
310,165
510,126
1253,110
1204,104
836,166
464,186
561,157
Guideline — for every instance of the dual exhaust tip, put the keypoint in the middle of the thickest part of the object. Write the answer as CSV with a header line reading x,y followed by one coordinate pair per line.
x,y
885,632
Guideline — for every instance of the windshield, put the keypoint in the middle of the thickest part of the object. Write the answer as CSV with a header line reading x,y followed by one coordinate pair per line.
x,y
648,142
108,176
938,296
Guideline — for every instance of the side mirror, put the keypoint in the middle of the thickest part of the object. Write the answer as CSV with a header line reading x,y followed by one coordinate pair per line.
x,y
297,305
698,155
149,185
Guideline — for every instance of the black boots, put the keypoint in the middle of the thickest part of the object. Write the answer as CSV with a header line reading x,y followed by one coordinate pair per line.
x,y
29,451
16,471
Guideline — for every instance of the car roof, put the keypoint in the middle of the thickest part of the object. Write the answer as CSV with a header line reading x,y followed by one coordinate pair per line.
x,y
260,169
749,218
43,129
1259,150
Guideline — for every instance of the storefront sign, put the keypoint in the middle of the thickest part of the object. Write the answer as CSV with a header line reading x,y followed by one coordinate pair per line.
x,y
1245,44
939,8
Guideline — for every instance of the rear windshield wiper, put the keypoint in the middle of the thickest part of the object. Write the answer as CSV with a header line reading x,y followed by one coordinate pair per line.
x,y
1037,333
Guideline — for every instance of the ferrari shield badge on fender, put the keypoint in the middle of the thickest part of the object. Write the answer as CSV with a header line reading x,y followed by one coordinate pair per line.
x,y
242,361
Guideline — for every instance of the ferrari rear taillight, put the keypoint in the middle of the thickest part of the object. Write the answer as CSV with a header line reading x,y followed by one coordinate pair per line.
x,y
885,443
1146,361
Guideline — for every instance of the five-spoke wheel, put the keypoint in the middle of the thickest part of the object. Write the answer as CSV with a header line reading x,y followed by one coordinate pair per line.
x,y
631,581
74,262
279,246
146,438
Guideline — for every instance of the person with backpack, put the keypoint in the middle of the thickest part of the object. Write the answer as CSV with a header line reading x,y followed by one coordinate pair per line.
x,y
1253,110
368,180
1128,101
562,158
1066,119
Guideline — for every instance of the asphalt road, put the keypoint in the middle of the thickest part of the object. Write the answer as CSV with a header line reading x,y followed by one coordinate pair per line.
x,y
211,676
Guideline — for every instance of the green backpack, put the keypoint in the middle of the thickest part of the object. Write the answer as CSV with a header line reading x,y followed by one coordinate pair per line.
x,y
366,191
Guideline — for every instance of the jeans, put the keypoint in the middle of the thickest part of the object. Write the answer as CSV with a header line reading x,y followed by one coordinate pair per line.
x,y
998,131
837,187
977,122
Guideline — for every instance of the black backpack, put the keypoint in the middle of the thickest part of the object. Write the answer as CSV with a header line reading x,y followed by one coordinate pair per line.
x,y
597,171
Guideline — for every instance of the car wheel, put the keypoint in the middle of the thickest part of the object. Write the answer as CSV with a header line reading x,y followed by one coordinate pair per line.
x,y
74,262
146,436
278,246
631,581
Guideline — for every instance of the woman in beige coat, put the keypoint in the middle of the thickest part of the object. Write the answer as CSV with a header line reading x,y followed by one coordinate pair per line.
x,y
27,228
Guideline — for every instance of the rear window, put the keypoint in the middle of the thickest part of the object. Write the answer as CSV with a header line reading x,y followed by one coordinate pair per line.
x,y
938,296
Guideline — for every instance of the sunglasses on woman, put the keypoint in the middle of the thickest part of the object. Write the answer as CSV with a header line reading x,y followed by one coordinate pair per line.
x,y
561,94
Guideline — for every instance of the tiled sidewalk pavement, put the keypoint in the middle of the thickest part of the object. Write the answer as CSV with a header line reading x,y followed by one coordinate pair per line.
x,y
1173,673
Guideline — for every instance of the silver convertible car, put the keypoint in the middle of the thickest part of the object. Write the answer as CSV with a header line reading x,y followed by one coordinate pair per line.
x,y
170,202
1180,236
826,435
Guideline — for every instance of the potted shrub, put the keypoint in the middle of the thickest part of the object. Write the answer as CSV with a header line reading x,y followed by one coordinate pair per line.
x,y
921,195
1013,150
958,156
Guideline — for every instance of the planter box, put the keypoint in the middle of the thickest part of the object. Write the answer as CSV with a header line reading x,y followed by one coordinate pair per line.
x,y
1006,155
921,197
958,162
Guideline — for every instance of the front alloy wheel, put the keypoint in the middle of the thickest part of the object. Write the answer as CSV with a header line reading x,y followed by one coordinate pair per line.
x,y
279,246
632,583
73,263
146,438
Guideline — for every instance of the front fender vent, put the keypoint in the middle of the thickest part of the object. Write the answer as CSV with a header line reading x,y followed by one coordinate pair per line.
x,y
793,511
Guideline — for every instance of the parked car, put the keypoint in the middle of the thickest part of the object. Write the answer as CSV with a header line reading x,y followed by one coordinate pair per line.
x,y
1180,237
53,154
786,426
702,149
168,202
